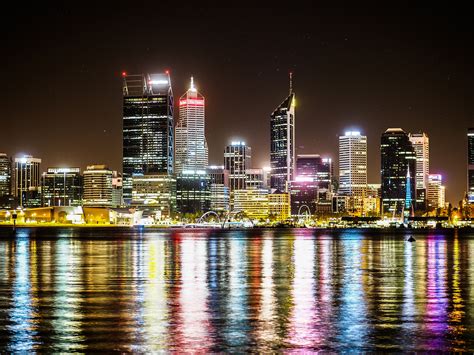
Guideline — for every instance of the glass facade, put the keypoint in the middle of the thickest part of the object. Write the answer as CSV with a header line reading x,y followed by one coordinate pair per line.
x,y
398,160
193,193
5,180
148,136
62,187
282,143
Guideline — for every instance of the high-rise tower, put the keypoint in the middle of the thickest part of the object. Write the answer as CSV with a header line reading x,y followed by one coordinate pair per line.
x,y
282,142
470,165
191,145
148,135
237,159
421,144
398,156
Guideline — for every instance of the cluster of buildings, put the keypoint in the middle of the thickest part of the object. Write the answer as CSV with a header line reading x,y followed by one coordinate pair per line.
x,y
166,173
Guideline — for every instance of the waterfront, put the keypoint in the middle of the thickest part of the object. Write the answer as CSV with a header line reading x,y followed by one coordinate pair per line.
x,y
216,290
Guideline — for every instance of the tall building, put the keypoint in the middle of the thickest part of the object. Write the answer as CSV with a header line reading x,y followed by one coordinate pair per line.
x,y
421,144
27,181
193,192
148,135
5,180
398,156
282,142
353,167
97,186
191,145
470,164
436,191
237,159
62,187
117,189
255,179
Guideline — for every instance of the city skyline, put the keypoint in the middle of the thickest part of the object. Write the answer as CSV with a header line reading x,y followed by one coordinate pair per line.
x,y
346,78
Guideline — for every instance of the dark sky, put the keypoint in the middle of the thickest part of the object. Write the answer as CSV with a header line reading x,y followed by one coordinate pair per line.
x,y
363,68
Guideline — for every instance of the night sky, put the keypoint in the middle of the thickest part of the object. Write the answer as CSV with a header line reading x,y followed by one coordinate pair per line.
x,y
360,68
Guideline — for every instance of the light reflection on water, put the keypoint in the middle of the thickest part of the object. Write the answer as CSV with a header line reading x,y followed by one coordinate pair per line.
x,y
209,291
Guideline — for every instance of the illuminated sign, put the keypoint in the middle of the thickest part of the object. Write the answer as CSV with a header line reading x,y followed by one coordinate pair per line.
x,y
196,102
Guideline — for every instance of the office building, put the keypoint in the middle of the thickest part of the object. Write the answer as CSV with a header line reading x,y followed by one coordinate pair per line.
x,y
421,145
117,189
237,159
155,195
97,186
279,206
219,187
191,145
255,179
218,175
282,142
436,192
193,193
353,168
5,180
252,202
470,165
303,195
148,128
27,182
62,187
398,160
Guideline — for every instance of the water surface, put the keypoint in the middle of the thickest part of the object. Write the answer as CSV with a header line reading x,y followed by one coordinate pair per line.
x,y
257,290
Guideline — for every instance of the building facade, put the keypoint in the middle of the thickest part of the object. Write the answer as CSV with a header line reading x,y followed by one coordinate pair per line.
x,y
253,203
148,127
398,162
421,145
279,206
5,180
436,195
97,186
191,146
255,179
353,168
155,195
62,187
237,159
470,165
27,181
193,192
282,143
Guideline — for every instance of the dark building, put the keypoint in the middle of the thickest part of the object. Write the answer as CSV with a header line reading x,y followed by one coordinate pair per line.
x,y
470,164
282,143
5,181
317,168
62,187
303,195
398,166
193,193
148,128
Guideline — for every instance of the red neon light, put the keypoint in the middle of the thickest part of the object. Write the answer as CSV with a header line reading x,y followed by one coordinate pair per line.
x,y
196,102
124,73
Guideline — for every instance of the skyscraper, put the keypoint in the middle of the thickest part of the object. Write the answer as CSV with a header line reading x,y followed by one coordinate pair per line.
x,y
470,164
148,135
191,145
27,181
421,144
62,187
237,158
5,180
398,156
282,142
436,191
353,167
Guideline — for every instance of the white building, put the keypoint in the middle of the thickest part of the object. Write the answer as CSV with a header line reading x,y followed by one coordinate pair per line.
x,y
421,144
97,186
191,153
353,166
27,181
436,194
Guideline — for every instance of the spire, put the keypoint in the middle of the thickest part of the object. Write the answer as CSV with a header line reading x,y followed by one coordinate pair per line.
x,y
192,88
291,82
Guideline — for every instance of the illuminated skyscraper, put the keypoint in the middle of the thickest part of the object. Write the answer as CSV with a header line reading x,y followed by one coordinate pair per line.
x,y
5,180
398,156
27,181
237,159
421,144
191,145
436,191
148,134
470,164
282,142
